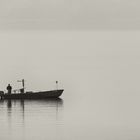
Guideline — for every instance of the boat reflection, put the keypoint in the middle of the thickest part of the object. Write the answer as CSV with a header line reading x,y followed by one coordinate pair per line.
x,y
50,108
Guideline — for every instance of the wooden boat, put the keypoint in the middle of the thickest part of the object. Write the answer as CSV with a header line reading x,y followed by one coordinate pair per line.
x,y
32,95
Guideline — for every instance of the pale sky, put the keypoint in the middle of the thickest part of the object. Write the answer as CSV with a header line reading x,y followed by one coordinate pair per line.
x,y
69,40
69,14
42,57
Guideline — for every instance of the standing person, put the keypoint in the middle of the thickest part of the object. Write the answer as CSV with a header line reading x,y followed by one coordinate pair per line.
x,y
9,88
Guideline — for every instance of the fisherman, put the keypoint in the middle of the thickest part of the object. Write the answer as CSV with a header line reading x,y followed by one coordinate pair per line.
x,y
9,88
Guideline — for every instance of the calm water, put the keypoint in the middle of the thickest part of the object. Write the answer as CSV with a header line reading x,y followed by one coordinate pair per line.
x,y
87,115
100,74
31,119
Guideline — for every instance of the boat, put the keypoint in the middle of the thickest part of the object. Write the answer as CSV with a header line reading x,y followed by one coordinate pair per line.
x,y
32,95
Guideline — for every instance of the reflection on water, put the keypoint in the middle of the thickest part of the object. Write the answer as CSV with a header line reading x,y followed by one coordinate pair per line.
x,y
25,118
54,104
50,105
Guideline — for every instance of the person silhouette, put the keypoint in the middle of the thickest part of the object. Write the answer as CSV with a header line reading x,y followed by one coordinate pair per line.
x,y
9,88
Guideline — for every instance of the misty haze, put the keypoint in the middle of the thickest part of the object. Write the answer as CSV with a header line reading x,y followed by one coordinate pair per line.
x,y
91,48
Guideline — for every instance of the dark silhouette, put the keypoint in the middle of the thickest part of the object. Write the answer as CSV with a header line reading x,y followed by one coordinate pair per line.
x,y
30,94
22,90
1,94
9,88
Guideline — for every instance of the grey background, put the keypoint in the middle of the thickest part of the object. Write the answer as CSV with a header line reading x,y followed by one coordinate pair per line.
x,y
69,14
92,48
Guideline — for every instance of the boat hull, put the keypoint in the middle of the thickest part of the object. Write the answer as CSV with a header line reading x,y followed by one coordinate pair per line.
x,y
34,95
